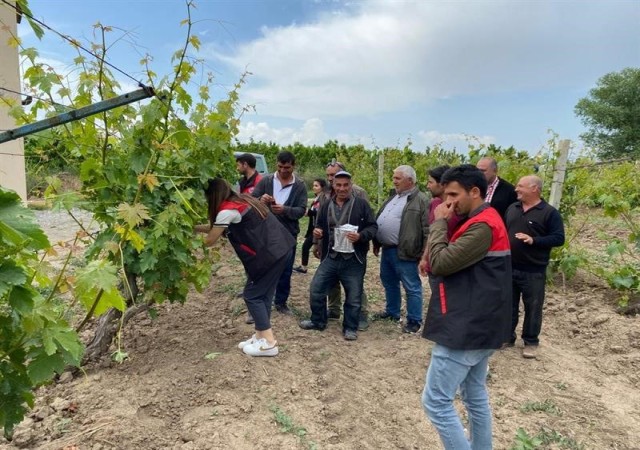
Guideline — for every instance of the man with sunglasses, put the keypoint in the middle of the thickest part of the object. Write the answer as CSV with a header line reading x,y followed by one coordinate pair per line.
x,y
286,196
335,303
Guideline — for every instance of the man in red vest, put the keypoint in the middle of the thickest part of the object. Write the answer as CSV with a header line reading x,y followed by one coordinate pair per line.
x,y
246,166
469,315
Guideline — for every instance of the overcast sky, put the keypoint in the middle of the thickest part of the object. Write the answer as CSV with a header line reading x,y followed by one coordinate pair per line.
x,y
380,72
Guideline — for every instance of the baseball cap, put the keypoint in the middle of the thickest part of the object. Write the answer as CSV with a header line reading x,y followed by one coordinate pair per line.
x,y
342,173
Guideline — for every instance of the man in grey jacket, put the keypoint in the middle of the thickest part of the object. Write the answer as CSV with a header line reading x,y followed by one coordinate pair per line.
x,y
402,234
286,196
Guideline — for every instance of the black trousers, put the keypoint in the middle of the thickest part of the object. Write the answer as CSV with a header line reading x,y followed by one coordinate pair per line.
x,y
306,249
259,293
530,286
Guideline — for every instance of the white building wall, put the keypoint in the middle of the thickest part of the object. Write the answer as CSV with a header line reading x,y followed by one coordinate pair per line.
x,y
12,168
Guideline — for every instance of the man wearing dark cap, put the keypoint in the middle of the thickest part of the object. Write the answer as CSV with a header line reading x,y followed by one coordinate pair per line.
x,y
335,303
346,224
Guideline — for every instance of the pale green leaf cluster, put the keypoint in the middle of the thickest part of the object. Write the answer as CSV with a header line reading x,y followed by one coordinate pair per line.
x,y
99,280
35,340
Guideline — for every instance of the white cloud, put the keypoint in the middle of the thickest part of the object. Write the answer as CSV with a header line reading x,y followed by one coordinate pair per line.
x,y
310,133
449,140
384,56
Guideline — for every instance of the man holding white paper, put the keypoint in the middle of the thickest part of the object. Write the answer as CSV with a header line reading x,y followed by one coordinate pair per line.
x,y
345,224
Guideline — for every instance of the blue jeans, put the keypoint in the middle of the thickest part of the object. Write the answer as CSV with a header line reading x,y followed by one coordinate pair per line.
x,y
393,271
284,283
449,370
350,273
531,286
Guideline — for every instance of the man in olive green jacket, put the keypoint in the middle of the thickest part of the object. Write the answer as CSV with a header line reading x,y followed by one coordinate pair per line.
x,y
403,230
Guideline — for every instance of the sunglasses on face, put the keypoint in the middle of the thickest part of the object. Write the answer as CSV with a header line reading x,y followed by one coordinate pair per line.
x,y
334,163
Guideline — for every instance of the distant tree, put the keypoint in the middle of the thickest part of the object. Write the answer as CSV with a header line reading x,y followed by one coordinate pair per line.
x,y
612,114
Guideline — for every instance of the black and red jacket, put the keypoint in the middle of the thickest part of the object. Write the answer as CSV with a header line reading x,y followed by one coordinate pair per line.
x,y
247,185
471,308
258,242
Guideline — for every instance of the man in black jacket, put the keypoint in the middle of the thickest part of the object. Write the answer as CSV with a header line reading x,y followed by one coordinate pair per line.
x,y
500,193
344,255
335,303
534,227
286,196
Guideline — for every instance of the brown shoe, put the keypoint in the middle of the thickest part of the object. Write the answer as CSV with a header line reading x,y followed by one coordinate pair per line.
x,y
530,351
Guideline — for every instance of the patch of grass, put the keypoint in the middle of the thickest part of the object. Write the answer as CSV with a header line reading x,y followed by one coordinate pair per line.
x,y
62,425
543,439
237,310
524,441
287,425
232,288
553,437
548,406
374,297
499,401
324,355
561,386
300,314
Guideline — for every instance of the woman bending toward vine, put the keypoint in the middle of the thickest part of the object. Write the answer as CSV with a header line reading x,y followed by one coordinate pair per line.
x,y
263,246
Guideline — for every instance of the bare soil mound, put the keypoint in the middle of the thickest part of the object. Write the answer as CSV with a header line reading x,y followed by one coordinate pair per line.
x,y
187,386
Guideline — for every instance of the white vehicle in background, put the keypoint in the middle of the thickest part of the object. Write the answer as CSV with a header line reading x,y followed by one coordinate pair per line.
x,y
261,166
261,162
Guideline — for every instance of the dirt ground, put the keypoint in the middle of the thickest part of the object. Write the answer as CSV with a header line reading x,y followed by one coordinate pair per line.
x,y
187,386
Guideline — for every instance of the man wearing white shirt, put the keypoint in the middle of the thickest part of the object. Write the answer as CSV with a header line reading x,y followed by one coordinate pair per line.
x,y
286,196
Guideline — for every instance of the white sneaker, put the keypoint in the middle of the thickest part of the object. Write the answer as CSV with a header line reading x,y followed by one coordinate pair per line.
x,y
249,341
260,348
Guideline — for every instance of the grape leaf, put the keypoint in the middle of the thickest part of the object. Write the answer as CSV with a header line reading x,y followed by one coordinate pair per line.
x,y
20,220
11,275
43,366
133,215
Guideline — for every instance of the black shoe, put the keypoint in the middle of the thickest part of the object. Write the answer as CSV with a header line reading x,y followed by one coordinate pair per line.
x,y
300,269
284,309
507,345
350,335
334,315
411,327
385,316
310,325
363,323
